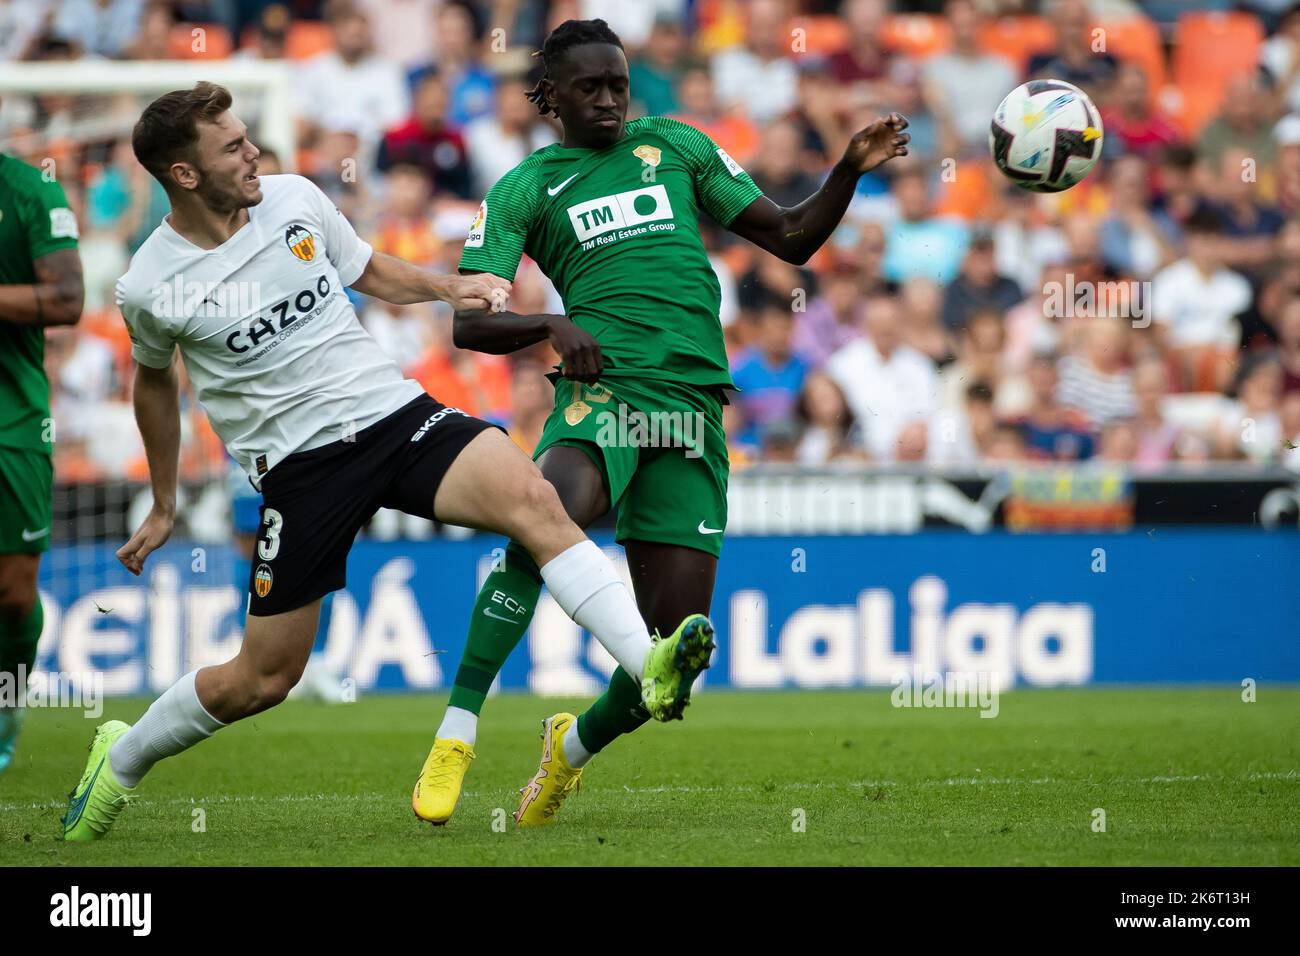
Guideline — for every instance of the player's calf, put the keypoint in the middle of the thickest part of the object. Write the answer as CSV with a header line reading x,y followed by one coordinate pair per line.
x,y
235,690
21,621
269,664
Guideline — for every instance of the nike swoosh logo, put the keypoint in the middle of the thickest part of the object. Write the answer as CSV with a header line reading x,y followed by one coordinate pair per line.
x,y
703,530
500,617
74,811
556,190
33,535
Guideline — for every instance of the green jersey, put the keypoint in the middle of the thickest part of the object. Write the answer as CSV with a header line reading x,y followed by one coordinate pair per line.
x,y
34,221
617,231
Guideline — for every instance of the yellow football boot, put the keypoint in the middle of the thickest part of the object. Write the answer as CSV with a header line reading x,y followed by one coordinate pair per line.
x,y
554,779
438,788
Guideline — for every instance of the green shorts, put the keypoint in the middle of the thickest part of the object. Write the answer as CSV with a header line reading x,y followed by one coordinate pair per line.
x,y
660,448
26,490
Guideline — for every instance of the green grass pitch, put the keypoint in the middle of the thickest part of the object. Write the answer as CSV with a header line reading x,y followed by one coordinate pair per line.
x,y
1184,776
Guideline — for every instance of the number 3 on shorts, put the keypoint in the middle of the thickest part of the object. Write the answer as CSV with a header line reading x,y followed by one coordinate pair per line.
x,y
269,546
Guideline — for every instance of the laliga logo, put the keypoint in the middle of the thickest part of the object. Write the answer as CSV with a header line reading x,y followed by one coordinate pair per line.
x,y
300,242
840,646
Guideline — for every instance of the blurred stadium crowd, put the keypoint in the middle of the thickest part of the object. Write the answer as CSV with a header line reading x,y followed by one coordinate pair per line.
x,y
1149,316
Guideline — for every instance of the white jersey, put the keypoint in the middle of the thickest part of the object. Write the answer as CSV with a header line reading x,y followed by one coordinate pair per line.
x,y
274,349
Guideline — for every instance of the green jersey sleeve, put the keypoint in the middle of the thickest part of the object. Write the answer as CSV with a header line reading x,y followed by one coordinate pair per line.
x,y
49,223
723,187
500,229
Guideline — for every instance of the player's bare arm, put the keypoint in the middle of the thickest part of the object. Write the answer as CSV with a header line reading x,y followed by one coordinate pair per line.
x,y
54,299
156,396
397,281
499,333
795,233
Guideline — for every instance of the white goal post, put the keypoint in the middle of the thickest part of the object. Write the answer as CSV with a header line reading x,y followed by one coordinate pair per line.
x,y
271,82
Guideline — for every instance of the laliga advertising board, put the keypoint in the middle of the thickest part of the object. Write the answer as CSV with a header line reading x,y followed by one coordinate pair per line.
x,y
806,611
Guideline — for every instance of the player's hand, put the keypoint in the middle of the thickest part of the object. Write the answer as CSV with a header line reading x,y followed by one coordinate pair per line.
x,y
578,350
150,536
878,143
481,291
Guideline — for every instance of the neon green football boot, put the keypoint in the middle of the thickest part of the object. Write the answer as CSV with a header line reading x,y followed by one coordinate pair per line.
x,y
98,798
672,666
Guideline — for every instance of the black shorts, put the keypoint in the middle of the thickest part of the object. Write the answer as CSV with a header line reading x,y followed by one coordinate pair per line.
x,y
314,502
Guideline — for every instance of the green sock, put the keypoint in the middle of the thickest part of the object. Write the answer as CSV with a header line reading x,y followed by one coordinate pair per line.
x,y
502,612
19,637
616,712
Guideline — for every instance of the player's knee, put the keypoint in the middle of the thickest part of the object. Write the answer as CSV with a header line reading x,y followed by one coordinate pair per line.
x,y
538,511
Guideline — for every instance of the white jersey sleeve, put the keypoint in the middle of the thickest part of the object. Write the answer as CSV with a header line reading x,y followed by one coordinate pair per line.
x,y
347,252
151,343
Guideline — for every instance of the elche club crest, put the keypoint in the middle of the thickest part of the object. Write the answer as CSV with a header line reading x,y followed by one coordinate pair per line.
x,y
300,242
650,155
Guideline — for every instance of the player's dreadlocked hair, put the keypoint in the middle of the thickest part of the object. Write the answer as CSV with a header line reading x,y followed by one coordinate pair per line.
x,y
563,38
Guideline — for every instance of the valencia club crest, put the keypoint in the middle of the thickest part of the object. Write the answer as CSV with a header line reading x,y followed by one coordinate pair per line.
x,y
300,242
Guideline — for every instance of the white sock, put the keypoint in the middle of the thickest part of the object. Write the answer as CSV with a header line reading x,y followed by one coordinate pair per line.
x,y
583,582
459,724
574,752
174,722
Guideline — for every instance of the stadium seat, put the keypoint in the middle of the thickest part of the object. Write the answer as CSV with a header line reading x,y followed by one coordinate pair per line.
x,y
1017,38
1191,107
823,35
214,41
307,38
1209,48
1137,40
917,34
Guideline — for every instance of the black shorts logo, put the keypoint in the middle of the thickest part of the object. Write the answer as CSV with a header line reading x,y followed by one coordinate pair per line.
x,y
262,580
433,420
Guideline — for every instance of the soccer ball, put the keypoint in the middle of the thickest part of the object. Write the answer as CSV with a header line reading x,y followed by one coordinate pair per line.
x,y
1046,135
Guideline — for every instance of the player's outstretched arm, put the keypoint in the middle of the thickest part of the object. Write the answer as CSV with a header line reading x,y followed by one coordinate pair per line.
x,y
397,281
499,333
156,396
54,299
796,232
